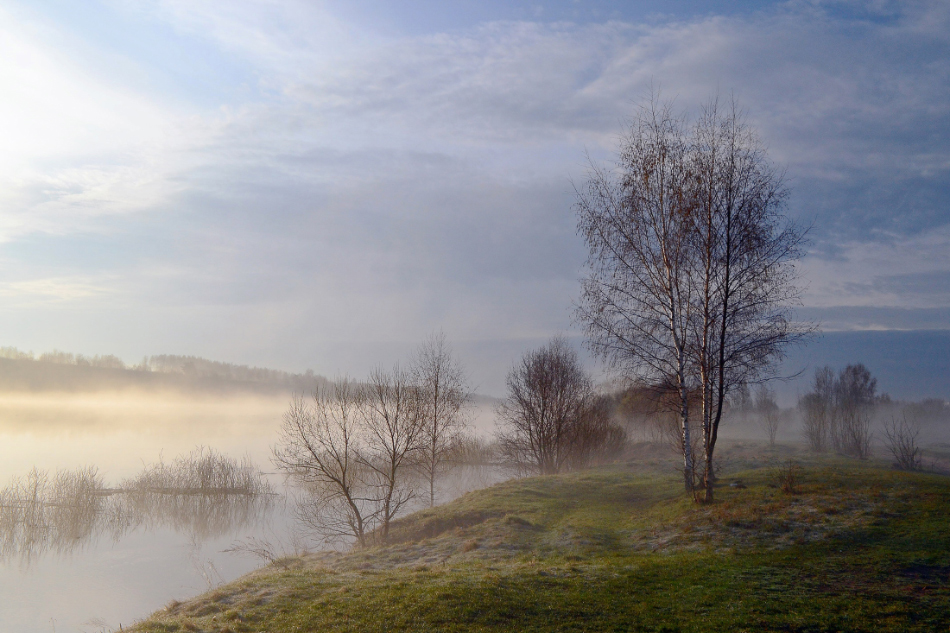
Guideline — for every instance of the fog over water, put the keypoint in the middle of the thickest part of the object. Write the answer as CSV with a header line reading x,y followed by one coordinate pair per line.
x,y
118,557
86,542
121,431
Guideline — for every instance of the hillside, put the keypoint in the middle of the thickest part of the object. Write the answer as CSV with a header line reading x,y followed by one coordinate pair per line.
x,y
178,373
856,547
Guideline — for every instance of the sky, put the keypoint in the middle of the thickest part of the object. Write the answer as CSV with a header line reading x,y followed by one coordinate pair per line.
x,y
322,185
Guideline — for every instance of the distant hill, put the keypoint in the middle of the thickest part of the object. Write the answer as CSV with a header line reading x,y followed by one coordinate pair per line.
x,y
62,371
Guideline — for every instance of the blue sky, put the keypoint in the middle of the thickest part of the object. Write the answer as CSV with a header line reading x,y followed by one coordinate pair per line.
x,y
322,184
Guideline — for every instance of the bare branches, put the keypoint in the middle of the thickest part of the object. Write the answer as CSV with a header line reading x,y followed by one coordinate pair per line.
x,y
443,397
637,301
322,445
817,410
551,420
690,277
359,448
768,411
392,420
901,438
837,412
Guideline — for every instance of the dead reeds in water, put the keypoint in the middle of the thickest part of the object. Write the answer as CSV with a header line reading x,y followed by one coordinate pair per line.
x,y
204,494
203,471
40,512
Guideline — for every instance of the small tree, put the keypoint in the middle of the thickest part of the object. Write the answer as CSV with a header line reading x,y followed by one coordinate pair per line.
x,y
901,437
595,438
817,409
321,445
838,410
442,399
551,420
353,446
855,391
768,412
392,419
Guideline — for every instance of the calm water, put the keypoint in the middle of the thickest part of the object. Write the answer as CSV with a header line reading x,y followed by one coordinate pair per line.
x,y
91,560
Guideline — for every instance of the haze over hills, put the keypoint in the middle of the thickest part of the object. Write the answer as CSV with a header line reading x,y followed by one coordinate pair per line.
x,y
63,371
909,365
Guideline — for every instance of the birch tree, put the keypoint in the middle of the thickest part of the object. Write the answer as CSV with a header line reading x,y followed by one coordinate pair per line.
x,y
637,299
744,249
691,274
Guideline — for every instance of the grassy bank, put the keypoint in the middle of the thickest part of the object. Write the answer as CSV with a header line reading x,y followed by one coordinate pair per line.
x,y
855,547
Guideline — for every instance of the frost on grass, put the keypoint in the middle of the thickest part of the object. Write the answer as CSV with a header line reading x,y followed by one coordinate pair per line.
x,y
772,522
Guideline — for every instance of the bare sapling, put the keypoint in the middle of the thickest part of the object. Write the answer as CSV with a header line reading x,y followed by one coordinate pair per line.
x,y
900,436
768,411
443,402
771,424
789,476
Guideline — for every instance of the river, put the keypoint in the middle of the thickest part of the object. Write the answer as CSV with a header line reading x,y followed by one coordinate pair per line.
x,y
96,559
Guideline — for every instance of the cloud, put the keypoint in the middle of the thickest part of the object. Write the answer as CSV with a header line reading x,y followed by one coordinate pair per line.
x,y
77,144
60,290
287,38
375,189
900,271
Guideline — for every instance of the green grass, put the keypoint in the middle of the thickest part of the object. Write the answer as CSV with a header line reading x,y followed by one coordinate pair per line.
x,y
858,548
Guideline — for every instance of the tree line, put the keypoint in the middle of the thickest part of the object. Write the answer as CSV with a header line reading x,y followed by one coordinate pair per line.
x,y
189,368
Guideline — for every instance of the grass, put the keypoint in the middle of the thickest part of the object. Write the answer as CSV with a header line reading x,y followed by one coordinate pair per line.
x,y
856,547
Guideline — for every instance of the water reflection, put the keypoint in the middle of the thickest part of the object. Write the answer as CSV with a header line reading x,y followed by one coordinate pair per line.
x,y
203,494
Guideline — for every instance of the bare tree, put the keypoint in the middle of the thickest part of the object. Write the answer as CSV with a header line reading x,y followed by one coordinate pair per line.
x,y
637,304
690,277
768,412
744,250
838,410
355,446
551,420
855,391
817,408
392,419
321,445
740,401
595,438
901,438
442,399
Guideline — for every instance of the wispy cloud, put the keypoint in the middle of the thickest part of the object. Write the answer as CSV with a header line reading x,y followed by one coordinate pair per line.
x,y
59,290
369,187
